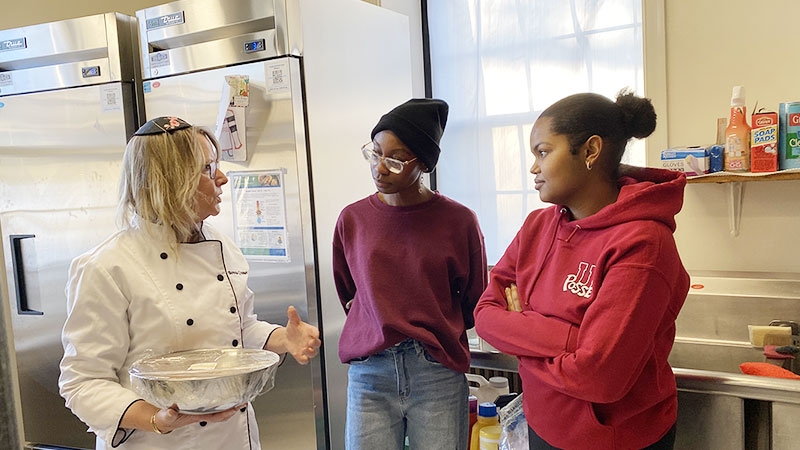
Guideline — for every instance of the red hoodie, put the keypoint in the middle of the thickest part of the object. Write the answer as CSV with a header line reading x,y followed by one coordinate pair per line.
x,y
599,297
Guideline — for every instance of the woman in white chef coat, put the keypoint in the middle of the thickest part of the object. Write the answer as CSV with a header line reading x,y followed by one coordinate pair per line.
x,y
166,282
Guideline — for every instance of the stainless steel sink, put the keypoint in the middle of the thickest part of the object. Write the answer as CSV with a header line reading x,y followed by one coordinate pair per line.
x,y
711,330
714,356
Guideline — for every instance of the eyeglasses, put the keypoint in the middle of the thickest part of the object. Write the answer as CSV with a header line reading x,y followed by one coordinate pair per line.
x,y
394,165
210,169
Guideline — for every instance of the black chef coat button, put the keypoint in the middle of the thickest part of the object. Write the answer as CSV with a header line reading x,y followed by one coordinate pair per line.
x,y
190,322
235,342
179,286
220,277
203,423
163,256
233,310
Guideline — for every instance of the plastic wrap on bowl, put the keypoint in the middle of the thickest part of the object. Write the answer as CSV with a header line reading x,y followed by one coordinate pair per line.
x,y
206,380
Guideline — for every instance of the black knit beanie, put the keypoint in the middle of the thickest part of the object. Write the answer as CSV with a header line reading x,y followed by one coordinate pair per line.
x,y
419,124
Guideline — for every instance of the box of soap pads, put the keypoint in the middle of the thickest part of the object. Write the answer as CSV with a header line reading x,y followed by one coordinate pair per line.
x,y
764,142
689,160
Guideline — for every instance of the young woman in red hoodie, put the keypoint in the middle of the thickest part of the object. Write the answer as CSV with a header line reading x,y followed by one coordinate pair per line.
x,y
587,293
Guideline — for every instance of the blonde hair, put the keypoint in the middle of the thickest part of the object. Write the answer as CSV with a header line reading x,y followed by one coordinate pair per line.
x,y
159,179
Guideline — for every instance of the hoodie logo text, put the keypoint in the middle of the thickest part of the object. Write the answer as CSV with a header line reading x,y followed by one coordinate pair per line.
x,y
580,283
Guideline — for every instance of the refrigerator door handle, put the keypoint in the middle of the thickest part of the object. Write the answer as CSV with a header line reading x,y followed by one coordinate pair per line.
x,y
19,274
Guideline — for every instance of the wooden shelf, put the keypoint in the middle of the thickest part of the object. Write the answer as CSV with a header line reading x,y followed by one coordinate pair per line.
x,y
732,177
734,181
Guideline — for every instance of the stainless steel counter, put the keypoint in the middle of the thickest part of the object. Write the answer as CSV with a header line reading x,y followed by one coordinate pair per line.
x,y
690,380
715,409
743,386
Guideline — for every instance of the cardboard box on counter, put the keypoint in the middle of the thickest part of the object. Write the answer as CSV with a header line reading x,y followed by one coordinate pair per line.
x,y
764,142
689,160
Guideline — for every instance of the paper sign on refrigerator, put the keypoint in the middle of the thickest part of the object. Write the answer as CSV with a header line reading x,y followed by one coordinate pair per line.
x,y
231,122
259,214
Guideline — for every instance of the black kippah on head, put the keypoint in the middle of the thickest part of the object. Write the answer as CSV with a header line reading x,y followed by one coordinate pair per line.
x,y
162,125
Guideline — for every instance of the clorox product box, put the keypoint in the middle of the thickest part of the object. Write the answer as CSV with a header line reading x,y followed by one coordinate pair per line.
x,y
689,160
789,136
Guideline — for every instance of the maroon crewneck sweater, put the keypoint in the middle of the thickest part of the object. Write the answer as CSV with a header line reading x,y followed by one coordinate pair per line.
x,y
411,272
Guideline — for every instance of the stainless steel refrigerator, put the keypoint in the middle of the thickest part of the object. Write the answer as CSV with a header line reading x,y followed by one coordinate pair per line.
x,y
67,108
316,75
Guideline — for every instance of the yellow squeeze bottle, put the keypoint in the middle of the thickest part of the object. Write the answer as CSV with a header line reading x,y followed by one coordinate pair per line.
x,y
490,437
487,416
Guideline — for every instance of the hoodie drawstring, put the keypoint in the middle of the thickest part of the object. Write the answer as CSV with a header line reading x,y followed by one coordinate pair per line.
x,y
574,230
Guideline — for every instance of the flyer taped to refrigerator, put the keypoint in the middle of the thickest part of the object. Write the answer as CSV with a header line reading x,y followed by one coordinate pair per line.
x,y
231,117
259,214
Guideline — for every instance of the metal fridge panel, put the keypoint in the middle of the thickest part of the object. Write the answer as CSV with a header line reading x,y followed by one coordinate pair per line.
x,y
10,404
39,247
76,52
356,68
191,35
289,414
60,157
63,149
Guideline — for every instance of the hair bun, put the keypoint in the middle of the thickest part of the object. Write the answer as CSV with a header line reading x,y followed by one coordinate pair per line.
x,y
638,114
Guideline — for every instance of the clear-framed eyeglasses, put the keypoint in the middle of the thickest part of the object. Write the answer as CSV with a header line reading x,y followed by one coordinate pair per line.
x,y
210,169
394,165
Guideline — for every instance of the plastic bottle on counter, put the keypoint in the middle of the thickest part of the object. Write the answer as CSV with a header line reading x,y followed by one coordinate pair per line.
x,y
500,385
487,390
473,414
490,437
737,135
487,416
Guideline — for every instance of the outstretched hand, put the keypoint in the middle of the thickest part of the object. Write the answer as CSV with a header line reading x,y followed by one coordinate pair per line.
x,y
302,339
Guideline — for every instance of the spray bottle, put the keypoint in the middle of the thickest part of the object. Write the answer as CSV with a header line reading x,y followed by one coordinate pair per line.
x,y
737,135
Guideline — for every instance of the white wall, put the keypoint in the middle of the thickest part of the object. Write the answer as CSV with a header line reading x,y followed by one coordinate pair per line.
x,y
710,47
411,8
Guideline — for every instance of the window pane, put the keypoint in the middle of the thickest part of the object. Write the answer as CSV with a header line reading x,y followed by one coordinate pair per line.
x,y
499,63
507,164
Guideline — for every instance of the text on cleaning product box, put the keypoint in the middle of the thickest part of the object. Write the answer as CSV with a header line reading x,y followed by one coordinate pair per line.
x,y
789,136
764,142
689,160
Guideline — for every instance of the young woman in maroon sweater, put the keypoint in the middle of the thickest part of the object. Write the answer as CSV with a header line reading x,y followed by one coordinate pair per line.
x,y
409,266
587,293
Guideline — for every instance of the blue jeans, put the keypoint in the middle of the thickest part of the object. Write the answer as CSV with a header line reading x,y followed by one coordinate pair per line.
x,y
404,391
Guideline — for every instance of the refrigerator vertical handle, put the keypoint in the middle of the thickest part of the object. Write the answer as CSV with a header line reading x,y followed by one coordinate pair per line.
x,y
19,274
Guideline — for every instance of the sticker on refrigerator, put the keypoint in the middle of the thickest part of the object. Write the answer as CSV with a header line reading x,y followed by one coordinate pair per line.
x,y
111,97
259,214
5,79
160,59
278,76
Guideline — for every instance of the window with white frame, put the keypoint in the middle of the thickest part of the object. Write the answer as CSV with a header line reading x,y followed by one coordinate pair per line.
x,y
499,63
